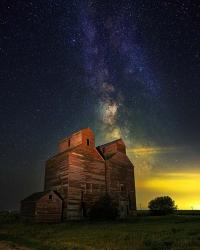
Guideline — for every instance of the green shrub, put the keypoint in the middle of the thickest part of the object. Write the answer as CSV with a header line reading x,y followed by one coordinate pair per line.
x,y
162,206
104,209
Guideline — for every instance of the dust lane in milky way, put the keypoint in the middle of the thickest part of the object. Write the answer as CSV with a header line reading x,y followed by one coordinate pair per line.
x,y
110,44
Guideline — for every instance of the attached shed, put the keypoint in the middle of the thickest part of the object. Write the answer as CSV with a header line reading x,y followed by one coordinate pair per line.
x,y
43,207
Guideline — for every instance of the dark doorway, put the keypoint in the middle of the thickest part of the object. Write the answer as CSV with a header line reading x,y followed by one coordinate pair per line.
x,y
83,207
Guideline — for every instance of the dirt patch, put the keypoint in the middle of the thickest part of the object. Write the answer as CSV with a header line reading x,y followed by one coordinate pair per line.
x,y
10,246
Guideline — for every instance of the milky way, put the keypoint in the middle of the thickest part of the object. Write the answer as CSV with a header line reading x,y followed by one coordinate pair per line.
x,y
106,39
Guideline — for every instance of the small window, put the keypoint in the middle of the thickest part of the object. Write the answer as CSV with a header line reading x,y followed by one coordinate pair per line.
x,y
127,210
88,142
69,143
122,188
50,197
129,201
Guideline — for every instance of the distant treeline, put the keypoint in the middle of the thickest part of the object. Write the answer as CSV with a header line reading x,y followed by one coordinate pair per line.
x,y
178,212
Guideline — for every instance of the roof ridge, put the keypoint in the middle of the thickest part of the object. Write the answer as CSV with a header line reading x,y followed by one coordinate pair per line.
x,y
109,143
73,133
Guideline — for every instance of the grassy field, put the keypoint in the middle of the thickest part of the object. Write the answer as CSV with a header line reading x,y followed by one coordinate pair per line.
x,y
145,232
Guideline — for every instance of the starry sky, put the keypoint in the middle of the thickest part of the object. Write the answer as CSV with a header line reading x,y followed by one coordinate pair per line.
x,y
127,69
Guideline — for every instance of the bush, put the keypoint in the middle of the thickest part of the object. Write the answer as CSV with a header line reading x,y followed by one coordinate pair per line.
x,y
162,206
9,217
104,209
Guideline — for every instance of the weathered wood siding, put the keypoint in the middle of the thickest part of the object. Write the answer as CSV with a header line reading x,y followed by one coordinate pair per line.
x,y
70,142
77,139
45,208
112,147
81,174
121,185
56,176
86,180
78,174
48,210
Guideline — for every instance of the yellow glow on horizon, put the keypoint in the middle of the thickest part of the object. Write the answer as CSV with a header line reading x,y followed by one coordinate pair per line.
x,y
183,187
156,176
195,206
188,204
179,183
152,150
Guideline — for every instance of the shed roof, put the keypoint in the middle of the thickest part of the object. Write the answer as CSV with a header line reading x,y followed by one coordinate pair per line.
x,y
36,196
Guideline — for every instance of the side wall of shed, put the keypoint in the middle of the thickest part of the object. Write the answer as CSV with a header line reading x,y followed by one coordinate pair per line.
x,y
48,210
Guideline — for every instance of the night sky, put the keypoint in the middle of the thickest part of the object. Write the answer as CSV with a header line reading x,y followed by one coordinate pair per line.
x,y
127,69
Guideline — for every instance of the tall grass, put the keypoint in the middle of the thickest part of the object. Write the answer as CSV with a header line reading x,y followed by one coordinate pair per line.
x,y
140,233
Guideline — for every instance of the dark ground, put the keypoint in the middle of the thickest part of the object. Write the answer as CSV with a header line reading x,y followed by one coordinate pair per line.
x,y
177,232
